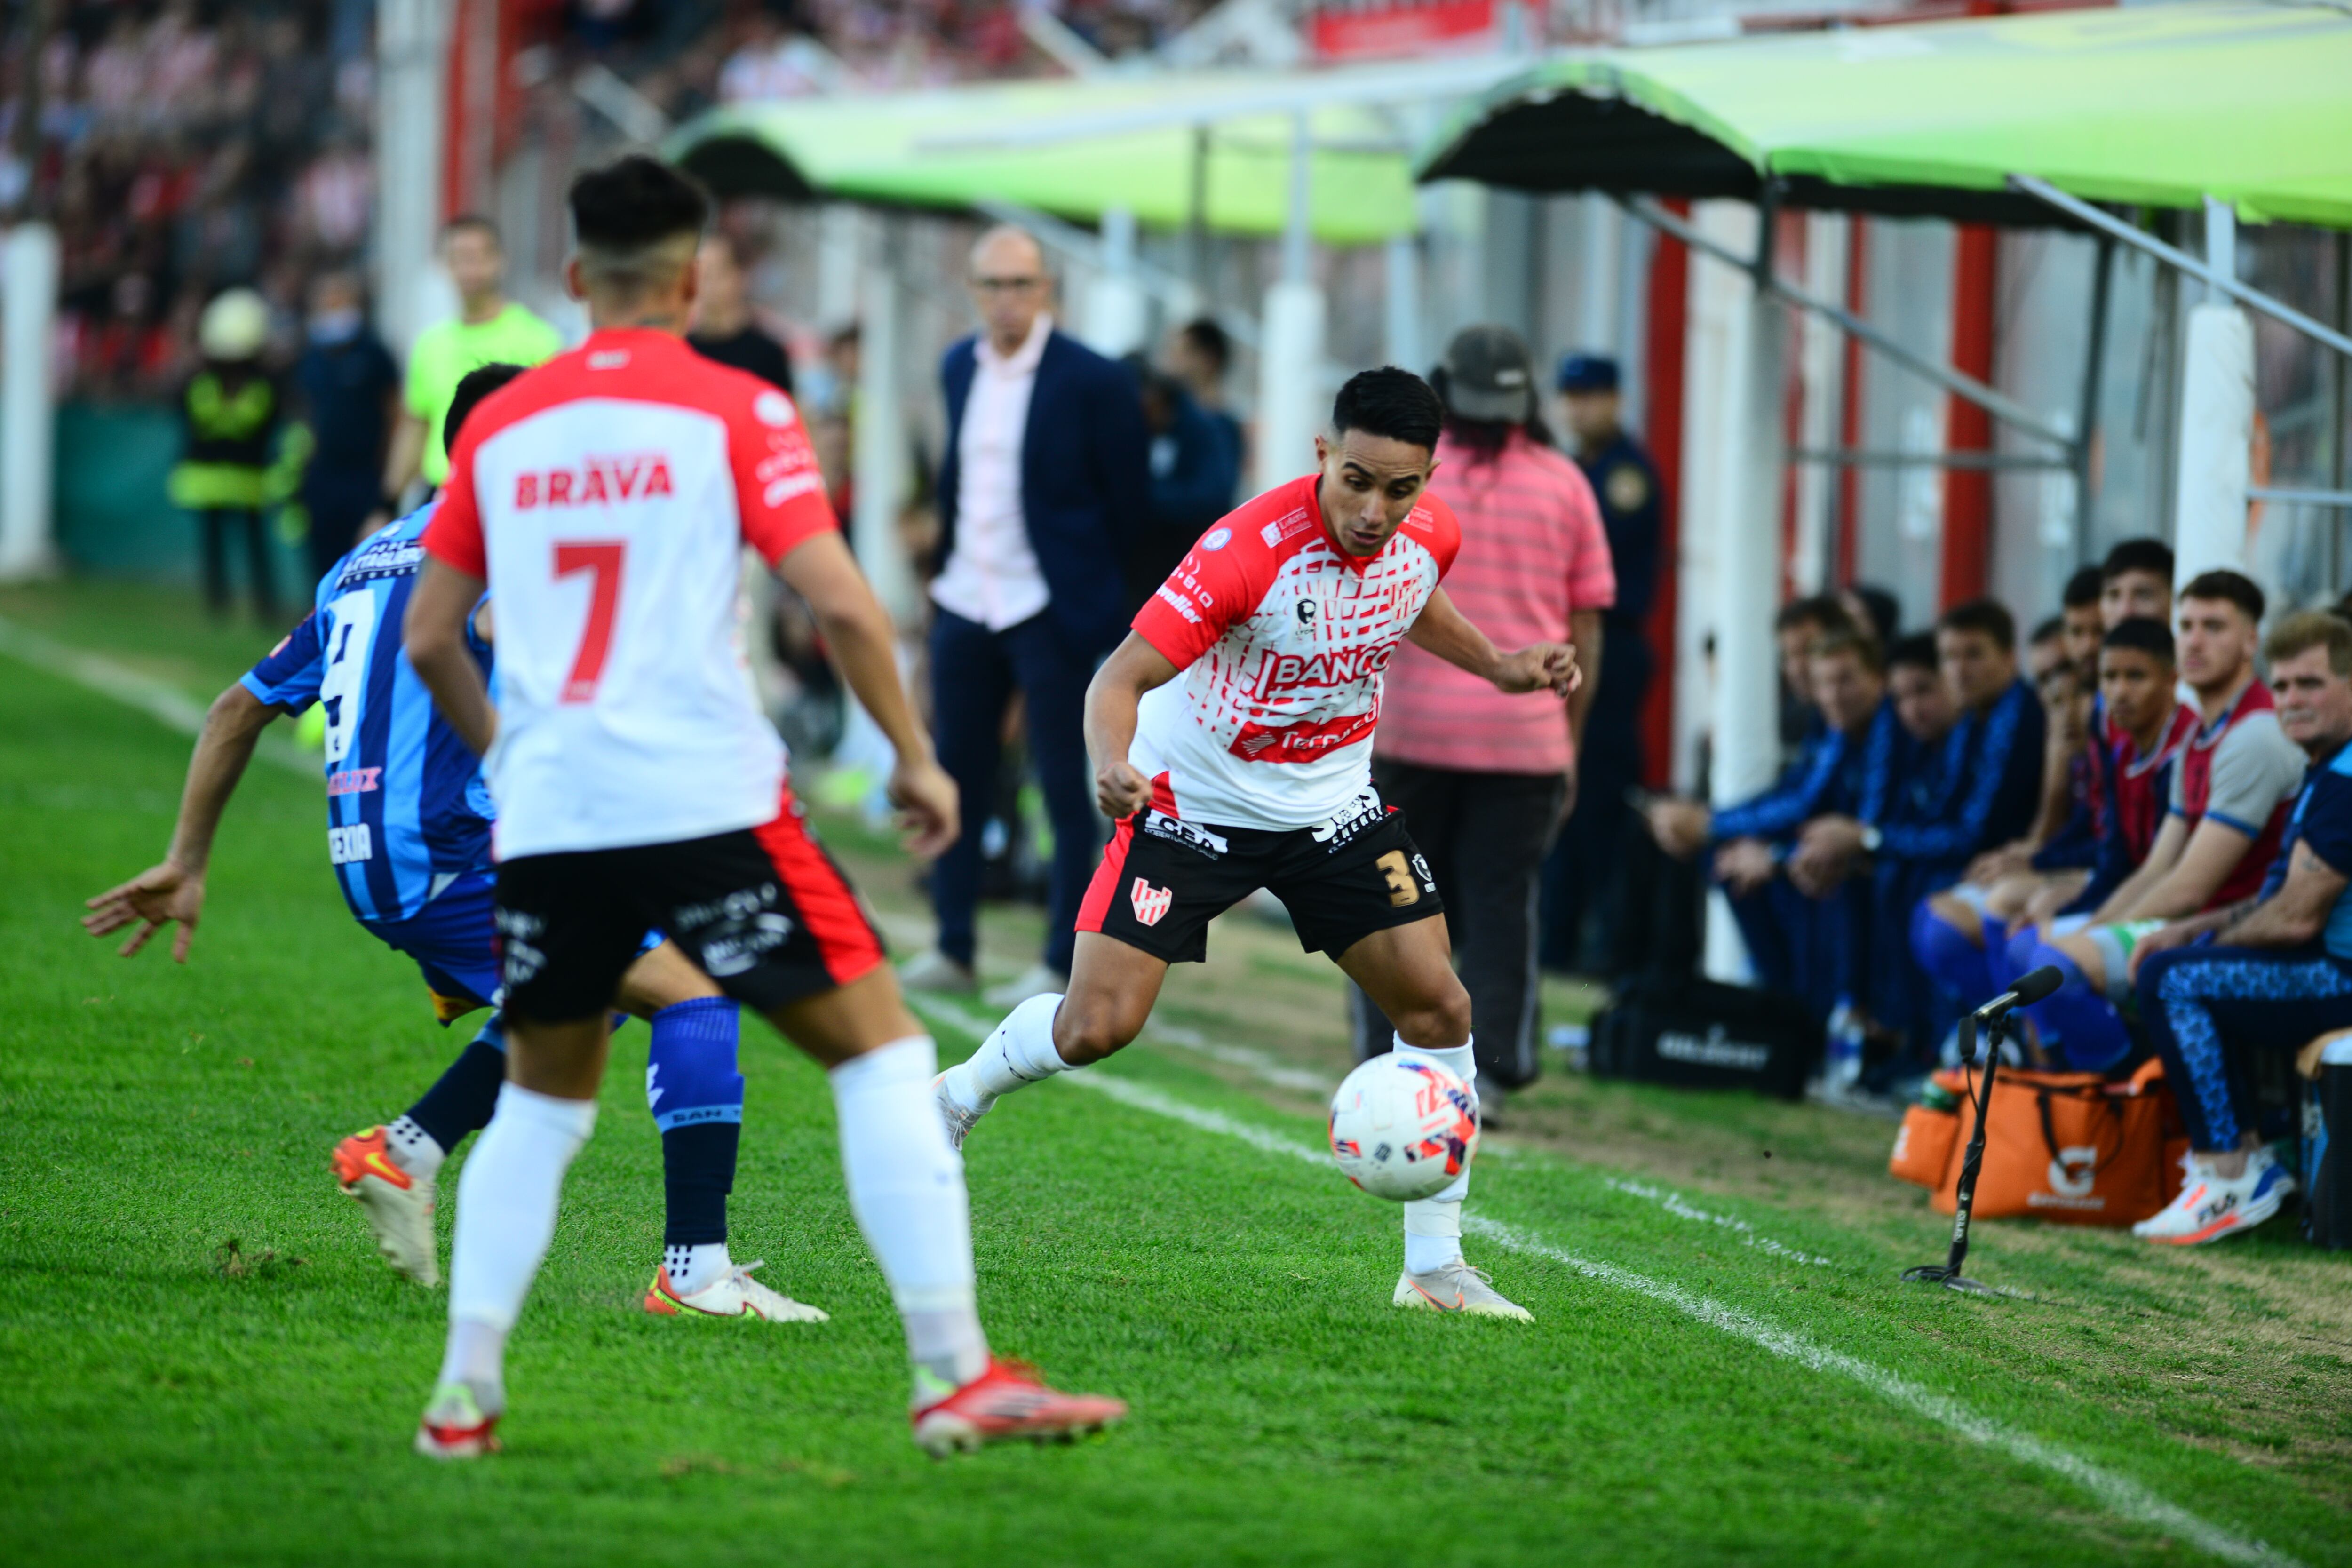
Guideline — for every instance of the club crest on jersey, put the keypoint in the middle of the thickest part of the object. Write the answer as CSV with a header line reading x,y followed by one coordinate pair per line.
x,y
1151,904
597,482
1306,612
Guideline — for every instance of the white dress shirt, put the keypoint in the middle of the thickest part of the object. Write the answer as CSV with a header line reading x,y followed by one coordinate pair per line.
x,y
991,575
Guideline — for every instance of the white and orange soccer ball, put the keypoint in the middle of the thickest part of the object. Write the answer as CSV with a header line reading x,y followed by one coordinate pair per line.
x,y
1402,1130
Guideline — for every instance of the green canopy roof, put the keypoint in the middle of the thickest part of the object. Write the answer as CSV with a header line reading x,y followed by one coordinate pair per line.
x,y
2158,105
901,149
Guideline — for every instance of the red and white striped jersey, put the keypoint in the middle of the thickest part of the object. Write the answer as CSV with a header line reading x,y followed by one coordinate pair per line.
x,y
1281,637
607,497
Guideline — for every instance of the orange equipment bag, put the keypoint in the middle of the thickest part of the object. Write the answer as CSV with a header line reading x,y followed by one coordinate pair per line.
x,y
1927,1143
2069,1146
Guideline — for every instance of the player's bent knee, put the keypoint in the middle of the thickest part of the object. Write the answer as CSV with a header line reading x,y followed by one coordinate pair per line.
x,y
1440,1024
1087,1032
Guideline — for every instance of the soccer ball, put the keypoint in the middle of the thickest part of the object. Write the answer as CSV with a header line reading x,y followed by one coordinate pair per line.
x,y
1402,1129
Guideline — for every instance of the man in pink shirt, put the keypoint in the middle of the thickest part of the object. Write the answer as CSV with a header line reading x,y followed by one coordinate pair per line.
x,y
1486,779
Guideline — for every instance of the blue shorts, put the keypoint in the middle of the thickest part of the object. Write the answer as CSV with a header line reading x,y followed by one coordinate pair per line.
x,y
454,940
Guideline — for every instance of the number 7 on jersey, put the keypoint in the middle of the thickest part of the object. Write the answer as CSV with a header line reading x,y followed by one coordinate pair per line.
x,y
604,560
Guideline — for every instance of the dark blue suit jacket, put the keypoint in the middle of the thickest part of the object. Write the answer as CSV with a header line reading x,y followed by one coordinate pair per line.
x,y
1085,482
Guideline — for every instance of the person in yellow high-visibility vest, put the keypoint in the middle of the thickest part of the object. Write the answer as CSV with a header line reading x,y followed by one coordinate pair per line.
x,y
230,412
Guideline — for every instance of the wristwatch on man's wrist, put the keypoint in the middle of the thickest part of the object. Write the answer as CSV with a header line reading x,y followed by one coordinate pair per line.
x,y
1871,838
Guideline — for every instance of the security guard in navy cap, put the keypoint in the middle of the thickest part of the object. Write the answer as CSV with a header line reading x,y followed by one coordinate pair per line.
x,y
1583,867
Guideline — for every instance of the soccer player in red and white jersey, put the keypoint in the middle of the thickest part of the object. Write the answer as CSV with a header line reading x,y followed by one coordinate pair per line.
x,y
604,500
1231,737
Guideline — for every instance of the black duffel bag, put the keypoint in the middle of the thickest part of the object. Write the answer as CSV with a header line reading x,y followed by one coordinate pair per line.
x,y
1697,1034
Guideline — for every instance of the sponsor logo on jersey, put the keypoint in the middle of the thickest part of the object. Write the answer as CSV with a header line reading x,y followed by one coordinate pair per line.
x,y
1303,743
1151,904
739,945
1362,811
773,408
346,844
357,781
392,558
1191,834
1287,526
597,482
1216,539
1285,672
1177,601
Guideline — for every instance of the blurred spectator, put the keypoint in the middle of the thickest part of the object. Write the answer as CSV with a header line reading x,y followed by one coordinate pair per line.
x,y
1583,873
1873,611
1195,470
724,329
1199,354
348,385
1045,471
229,412
776,59
489,328
1484,778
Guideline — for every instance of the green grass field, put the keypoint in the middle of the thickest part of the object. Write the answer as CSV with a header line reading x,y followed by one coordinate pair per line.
x,y
202,1360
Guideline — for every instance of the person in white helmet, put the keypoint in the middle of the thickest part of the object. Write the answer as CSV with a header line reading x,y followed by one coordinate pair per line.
x,y
230,412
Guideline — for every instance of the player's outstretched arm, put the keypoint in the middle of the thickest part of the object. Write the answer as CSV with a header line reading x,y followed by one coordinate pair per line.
x,y
174,890
433,637
1445,631
1134,668
863,647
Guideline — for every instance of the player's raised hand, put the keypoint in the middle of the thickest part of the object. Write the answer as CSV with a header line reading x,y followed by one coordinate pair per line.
x,y
1120,790
927,804
1537,665
157,897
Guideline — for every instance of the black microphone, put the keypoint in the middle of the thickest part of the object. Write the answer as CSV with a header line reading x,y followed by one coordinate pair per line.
x,y
2031,987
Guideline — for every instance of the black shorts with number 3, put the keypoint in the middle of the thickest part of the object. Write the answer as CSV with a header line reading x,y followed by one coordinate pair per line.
x,y
1162,880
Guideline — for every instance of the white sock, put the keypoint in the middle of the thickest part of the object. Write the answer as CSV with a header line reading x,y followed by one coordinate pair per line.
x,y
1433,1227
413,1149
507,1200
476,1357
905,1187
695,1265
1019,1051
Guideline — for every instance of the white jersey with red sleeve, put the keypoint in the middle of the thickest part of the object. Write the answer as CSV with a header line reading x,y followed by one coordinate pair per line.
x,y
1281,638
607,497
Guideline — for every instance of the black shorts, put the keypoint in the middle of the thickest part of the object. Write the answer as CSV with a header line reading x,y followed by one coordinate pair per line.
x,y
763,910
1163,880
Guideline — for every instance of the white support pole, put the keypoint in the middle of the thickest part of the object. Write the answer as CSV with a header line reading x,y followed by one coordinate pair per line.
x,y
28,312
2214,455
411,87
1118,315
1732,526
1818,369
881,453
839,253
1599,248
1290,355
1400,303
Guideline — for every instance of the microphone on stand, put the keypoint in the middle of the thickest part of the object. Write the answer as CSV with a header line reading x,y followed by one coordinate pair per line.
x,y
2030,988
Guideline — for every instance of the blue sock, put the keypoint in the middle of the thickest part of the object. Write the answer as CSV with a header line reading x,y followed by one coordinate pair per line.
x,y
2082,1025
1954,963
697,1099
461,1101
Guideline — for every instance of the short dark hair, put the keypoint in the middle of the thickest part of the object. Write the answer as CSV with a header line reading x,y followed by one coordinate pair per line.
x,y
1917,650
1851,640
1815,610
1203,334
477,222
2050,630
1885,612
2235,587
633,203
474,386
2082,589
1989,617
2142,634
2150,555
1390,402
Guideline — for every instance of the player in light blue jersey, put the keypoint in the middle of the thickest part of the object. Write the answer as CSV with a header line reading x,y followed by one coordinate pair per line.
x,y
409,823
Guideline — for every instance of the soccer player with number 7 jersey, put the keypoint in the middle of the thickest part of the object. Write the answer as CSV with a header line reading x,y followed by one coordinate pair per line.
x,y
604,498
1232,738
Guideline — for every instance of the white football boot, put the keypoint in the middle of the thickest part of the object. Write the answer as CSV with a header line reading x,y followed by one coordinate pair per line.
x,y
398,1203
734,1294
958,1120
1457,1288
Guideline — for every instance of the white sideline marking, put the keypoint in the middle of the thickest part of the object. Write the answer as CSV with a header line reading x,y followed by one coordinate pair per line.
x,y
165,703
1672,1202
2120,1494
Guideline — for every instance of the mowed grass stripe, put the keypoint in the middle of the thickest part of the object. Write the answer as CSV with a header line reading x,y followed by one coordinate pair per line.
x,y
2118,1494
